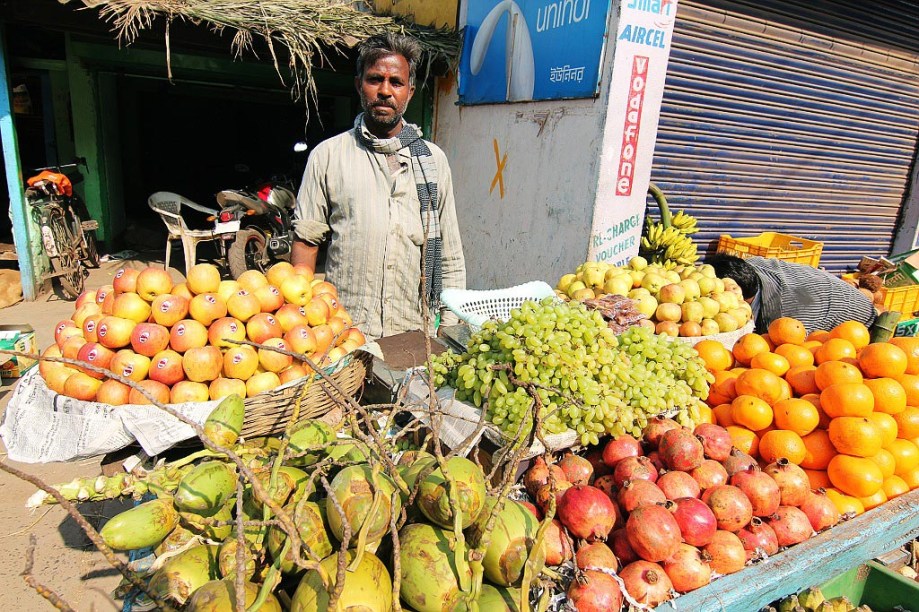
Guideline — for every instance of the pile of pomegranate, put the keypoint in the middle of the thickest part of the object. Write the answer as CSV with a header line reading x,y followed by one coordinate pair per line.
x,y
669,512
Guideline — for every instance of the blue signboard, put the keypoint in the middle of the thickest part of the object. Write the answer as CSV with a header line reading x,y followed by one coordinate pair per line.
x,y
522,50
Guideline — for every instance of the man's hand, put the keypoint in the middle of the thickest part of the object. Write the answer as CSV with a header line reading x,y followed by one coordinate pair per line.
x,y
303,254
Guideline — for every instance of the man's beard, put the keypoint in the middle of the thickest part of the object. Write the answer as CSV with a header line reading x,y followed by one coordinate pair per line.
x,y
383,121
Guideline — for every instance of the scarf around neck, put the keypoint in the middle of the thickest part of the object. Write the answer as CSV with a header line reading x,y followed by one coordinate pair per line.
x,y
425,172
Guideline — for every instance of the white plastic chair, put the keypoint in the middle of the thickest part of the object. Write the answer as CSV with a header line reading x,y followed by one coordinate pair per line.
x,y
169,207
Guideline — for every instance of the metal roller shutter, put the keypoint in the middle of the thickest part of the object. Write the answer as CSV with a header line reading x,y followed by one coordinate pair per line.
x,y
774,119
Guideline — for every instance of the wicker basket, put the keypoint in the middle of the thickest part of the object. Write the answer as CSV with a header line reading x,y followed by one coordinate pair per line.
x,y
269,412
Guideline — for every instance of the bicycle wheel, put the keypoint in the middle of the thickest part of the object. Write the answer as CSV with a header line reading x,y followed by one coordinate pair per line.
x,y
89,250
67,263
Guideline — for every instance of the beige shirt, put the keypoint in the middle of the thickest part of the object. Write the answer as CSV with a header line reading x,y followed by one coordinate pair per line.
x,y
372,220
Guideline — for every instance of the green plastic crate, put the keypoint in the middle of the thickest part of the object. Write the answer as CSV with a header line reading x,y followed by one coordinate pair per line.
x,y
876,586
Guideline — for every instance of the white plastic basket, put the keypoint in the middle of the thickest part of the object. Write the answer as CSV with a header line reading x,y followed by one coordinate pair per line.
x,y
477,306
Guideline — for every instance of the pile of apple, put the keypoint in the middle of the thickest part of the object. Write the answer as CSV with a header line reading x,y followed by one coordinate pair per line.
x,y
177,340
687,301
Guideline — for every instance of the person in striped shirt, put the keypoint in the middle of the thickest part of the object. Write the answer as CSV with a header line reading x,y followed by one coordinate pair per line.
x,y
381,197
777,288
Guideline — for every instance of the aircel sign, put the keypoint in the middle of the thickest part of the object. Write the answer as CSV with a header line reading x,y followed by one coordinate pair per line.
x,y
637,86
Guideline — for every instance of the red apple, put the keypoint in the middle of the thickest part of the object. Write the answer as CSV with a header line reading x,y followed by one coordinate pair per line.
x,y
86,310
166,368
289,316
131,306
207,308
90,325
224,330
263,381
320,287
278,272
82,386
87,297
61,326
57,378
45,366
158,390
125,280
148,339
296,289
95,354
168,309
302,270
115,332
187,334
301,339
263,326
129,364
250,280
240,362
323,335
317,311
293,372
113,393
273,361
332,302
222,387
188,391
203,278
243,305
228,288
181,290
70,348
202,364
103,292
152,282
269,298
338,327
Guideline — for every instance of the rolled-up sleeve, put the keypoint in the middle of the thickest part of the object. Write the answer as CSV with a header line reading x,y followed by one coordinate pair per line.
x,y
311,223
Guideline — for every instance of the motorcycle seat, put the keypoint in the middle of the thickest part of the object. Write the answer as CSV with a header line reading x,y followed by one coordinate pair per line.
x,y
229,197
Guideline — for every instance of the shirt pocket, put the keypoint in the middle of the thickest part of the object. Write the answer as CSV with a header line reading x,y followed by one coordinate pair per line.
x,y
414,230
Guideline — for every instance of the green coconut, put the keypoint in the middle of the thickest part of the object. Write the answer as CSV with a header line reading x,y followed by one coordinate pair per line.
x,y
220,596
226,558
499,599
367,589
206,526
144,525
284,486
182,575
309,435
206,488
511,544
174,541
429,576
311,528
353,490
434,496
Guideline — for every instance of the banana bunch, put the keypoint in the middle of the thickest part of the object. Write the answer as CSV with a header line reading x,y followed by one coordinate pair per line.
x,y
812,600
670,246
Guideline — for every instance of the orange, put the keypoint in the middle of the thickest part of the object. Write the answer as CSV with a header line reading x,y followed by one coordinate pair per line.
x,y
907,423
855,476
882,359
889,395
705,414
744,439
818,450
776,364
886,462
910,384
786,330
905,454
722,390
853,331
818,479
873,501
787,392
814,398
846,504
833,372
894,486
715,355
818,335
722,414
761,432
780,443
797,415
751,412
886,425
856,436
760,383
802,379
835,349
748,346
769,342
910,346
812,346
847,399
911,478
796,355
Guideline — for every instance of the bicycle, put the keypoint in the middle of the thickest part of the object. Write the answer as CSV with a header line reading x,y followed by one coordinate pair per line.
x,y
68,241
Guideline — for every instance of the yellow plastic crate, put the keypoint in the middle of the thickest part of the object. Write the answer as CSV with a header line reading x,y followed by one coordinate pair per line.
x,y
904,300
774,245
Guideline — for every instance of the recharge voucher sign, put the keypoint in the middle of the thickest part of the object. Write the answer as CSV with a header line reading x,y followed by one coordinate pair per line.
x,y
532,50
636,89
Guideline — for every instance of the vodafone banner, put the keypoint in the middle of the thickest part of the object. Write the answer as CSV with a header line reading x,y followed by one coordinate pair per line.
x,y
640,55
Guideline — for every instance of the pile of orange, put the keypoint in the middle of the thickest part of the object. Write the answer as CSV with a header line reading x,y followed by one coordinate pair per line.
x,y
843,408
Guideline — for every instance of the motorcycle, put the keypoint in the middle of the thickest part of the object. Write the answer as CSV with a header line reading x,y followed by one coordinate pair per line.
x,y
255,228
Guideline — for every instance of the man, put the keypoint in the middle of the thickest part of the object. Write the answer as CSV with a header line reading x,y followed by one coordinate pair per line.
x,y
777,288
382,197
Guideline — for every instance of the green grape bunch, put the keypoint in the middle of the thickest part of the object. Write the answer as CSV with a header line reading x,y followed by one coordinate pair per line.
x,y
586,377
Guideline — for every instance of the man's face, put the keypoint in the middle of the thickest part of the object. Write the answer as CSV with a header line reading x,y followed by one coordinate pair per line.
x,y
385,93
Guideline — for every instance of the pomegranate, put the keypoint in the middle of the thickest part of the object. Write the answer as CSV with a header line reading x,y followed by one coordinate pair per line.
x,y
532,508
595,592
716,441
678,484
680,450
737,461
619,543
587,512
595,456
655,458
727,552
596,555
634,468
790,525
758,536
657,427
760,488
653,532
731,507
820,510
578,470
688,569
619,448
537,476
544,495
709,474
558,548
646,582
792,480
607,484
695,519
635,493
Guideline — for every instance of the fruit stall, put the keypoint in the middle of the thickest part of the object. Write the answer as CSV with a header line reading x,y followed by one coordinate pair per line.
x,y
620,440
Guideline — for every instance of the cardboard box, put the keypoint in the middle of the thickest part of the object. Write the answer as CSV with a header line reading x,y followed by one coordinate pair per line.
x,y
16,338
